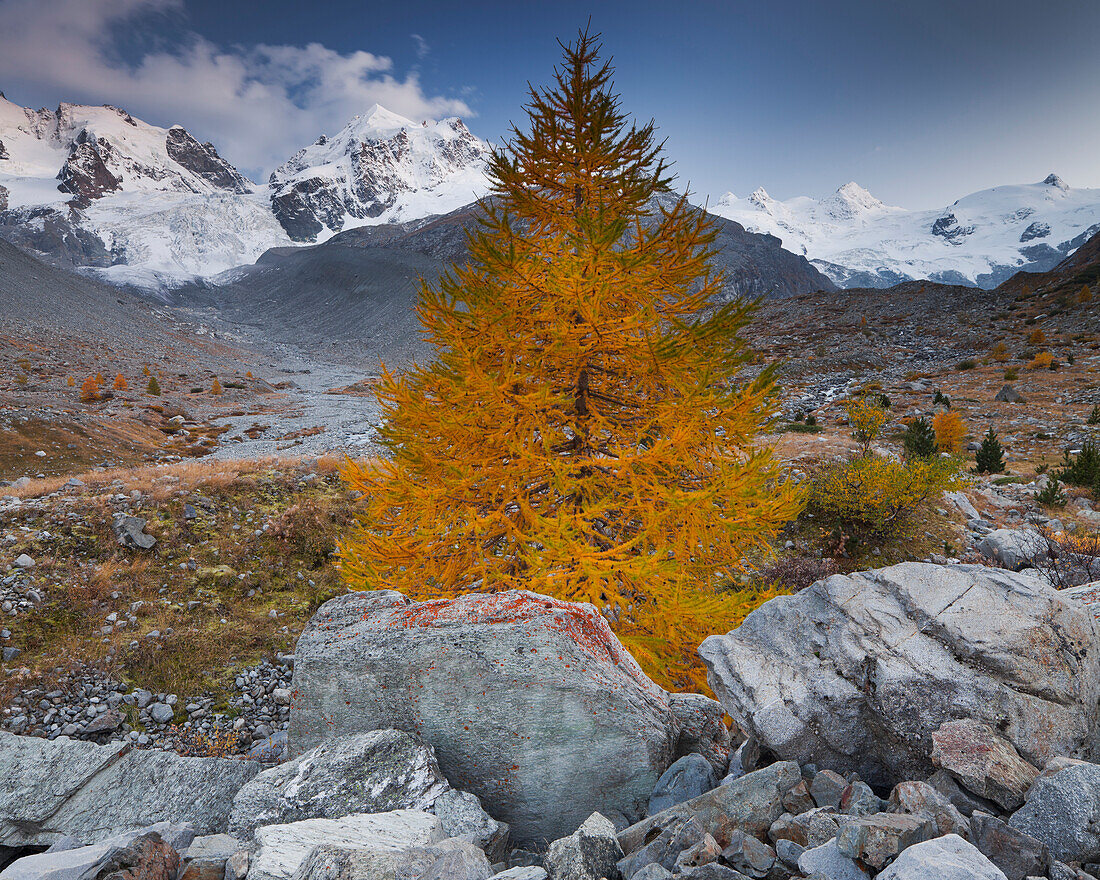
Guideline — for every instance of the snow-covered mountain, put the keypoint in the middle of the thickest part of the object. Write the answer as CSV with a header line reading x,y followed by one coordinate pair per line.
x,y
96,187
981,239
93,186
380,168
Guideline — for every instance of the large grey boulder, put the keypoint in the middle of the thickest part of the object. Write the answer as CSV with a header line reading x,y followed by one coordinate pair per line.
x,y
371,772
282,849
530,703
855,672
53,788
1061,811
945,858
1013,548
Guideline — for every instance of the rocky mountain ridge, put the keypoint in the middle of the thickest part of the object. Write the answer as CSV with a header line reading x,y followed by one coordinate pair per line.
x,y
380,166
979,240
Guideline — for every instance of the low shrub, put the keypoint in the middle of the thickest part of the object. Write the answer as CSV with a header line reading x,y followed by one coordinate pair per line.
x,y
794,573
881,497
1041,361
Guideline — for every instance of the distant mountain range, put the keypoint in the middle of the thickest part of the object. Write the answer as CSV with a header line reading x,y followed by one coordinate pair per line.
x,y
979,240
96,188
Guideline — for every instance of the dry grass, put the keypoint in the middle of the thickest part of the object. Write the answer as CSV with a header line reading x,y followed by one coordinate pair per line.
x,y
220,590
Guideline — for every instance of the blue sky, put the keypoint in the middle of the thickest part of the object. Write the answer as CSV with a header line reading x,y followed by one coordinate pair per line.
x,y
919,102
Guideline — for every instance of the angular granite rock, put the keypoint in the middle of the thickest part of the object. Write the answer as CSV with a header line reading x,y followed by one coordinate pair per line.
x,y
371,772
530,703
983,762
945,858
1062,810
282,849
857,671
750,804
53,788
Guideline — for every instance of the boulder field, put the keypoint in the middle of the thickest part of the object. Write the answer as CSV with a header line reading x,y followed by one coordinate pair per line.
x,y
918,722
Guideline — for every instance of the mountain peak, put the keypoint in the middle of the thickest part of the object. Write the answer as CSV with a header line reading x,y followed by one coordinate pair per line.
x,y
379,118
760,197
1053,179
856,197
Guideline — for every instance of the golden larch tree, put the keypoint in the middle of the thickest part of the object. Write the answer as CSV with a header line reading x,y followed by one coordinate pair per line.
x,y
583,430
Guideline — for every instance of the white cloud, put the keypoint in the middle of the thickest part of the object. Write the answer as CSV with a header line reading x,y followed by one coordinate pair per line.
x,y
258,104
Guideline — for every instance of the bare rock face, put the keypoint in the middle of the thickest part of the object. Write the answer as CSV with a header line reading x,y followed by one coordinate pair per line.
x,y
365,773
85,173
373,162
203,161
530,703
50,789
856,672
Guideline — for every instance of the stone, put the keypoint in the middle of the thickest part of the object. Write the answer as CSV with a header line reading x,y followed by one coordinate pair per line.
x,y
828,863
281,849
271,750
809,829
702,729
945,858
921,799
827,788
503,686
463,862
855,672
534,872
789,852
372,772
750,804
798,799
24,561
53,788
161,713
651,871
589,853
1019,855
983,762
1015,549
1060,811
711,871
104,723
130,532
86,862
236,866
205,858
687,778
748,855
448,859
964,801
462,815
664,846
876,840
860,800
147,857
1008,394
704,852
